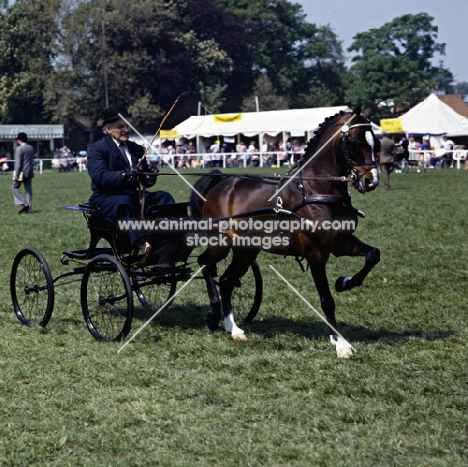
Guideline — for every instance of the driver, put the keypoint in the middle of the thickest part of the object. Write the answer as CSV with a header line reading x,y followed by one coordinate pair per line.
x,y
113,165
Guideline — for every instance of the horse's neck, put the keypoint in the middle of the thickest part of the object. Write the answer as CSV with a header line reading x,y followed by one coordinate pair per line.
x,y
321,176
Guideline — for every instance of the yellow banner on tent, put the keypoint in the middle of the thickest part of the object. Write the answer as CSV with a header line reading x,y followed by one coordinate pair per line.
x,y
169,134
227,118
392,125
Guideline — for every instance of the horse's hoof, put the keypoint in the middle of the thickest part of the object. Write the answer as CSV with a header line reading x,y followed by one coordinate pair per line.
x,y
239,337
341,284
343,348
344,353
212,320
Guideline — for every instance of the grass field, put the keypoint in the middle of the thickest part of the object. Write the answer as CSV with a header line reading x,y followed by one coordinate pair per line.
x,y
179,395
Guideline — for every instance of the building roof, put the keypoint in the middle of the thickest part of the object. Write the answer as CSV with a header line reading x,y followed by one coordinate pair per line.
x,y
34,132
456,102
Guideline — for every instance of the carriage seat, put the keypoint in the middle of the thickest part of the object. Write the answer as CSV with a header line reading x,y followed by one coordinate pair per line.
x,y
168,245
93,218
172,211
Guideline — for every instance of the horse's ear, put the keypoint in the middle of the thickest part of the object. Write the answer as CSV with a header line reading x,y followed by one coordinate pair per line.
x,y
357,110
368,113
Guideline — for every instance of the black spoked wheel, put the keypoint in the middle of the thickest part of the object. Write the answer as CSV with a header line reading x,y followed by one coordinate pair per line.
x,y
32,288
154,286
106,299
248,291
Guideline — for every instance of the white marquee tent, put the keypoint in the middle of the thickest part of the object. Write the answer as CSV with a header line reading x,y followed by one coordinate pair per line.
x,y
296,122
433,117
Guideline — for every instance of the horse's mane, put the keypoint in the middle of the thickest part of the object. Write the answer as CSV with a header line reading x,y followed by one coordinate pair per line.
x,y
318,134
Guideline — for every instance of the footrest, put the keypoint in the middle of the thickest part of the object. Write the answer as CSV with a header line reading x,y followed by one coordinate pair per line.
x,y
85,253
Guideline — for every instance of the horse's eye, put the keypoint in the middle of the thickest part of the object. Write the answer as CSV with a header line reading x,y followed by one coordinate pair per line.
x,y
353,146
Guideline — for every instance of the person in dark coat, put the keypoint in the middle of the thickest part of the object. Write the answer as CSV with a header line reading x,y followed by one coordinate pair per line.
x,y
387,154
114,163
23,173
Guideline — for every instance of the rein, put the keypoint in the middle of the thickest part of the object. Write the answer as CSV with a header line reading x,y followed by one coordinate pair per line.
x,y
257,178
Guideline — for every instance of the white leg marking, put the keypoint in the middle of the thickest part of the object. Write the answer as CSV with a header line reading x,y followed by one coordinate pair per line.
x,y
231,327
342,346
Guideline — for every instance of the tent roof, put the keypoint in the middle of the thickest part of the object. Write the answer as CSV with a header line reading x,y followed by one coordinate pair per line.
x,y
296,121
433,117
34,132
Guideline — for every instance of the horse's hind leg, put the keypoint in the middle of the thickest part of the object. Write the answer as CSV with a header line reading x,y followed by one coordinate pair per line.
x,y
352,246
241,261
209,258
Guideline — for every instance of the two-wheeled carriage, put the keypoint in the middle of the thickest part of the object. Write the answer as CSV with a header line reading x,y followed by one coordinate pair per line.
x,y
110,278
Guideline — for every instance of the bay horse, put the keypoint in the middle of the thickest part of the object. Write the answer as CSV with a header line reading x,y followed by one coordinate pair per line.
x,y
343,150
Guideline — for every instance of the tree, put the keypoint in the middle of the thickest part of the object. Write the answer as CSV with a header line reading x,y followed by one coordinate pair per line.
x,y
146,53
298,57
461,88
394,62
114,52
28,34
267,98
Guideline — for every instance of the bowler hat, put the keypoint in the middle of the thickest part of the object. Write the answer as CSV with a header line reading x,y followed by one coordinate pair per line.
x,y
23,137
112,113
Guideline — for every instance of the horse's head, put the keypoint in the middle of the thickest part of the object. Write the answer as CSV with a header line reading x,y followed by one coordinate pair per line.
x,y
359,147
344,148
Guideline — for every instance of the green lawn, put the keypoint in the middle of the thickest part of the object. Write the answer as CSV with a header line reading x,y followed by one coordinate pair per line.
x,y
179,395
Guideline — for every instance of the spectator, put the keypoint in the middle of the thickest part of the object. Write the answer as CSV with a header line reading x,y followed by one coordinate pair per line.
x,y
215,148
182,157
23,173
387,154
402,151
425,151
245,156
289,152
448,147
167,158
253,156
3,164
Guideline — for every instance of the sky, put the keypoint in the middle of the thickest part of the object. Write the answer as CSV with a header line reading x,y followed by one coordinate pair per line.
x,y
347,18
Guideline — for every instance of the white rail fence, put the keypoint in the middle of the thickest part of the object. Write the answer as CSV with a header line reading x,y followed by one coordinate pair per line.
x,y
228,160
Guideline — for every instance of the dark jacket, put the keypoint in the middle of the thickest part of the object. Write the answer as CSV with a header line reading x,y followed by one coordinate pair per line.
x,y
106,164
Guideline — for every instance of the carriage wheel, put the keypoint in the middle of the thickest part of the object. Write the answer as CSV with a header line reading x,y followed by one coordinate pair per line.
x,y
106,299
32,288
248,291
403,166
152,290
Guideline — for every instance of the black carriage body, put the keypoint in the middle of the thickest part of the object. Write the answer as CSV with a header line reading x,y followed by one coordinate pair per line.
x,y
110,275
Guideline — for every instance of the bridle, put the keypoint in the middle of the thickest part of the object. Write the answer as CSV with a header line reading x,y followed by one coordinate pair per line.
x,y
345,141
347,144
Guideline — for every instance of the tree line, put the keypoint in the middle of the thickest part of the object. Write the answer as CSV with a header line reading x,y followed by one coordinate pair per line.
x,y
63,59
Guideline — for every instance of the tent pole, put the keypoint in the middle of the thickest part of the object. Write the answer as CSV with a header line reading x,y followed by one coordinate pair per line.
x,y
197,141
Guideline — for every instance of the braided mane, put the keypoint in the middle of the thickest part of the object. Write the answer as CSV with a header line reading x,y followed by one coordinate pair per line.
x,y
318,134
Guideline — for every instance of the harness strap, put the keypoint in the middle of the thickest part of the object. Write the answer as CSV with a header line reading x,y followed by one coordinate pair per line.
x,y
314,199
323,199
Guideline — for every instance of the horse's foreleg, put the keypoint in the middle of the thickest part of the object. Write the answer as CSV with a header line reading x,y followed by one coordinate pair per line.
x,y
237,268
327,302
209,259
352,246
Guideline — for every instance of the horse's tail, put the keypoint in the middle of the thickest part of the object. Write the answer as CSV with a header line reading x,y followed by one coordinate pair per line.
x,y
202,187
